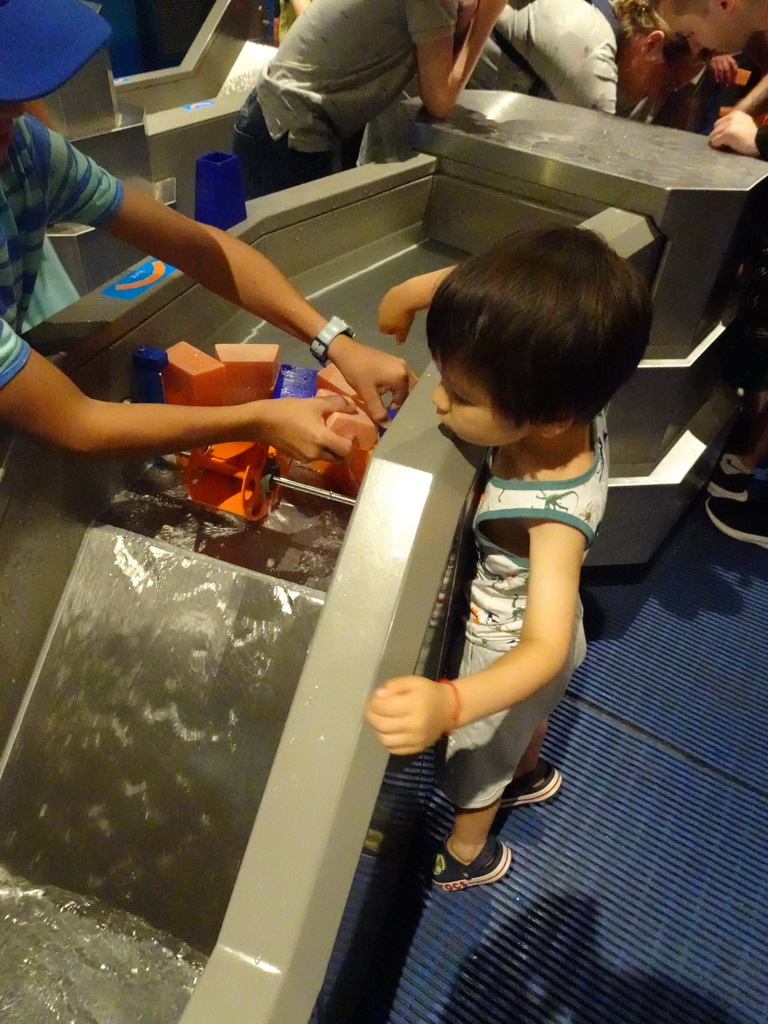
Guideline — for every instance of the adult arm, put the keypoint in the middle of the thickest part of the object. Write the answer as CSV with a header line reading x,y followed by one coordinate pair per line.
x,y
239,273
43,401
442,73
410,713
401,303
755,100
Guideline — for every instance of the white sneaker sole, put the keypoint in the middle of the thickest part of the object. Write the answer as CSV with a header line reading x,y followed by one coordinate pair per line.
x,y
545,793
748,538
719,492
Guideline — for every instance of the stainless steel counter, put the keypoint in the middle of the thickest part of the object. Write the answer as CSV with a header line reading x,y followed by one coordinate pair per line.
x,y
139,669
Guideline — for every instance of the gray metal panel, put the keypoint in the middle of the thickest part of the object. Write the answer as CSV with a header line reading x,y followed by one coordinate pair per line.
x,y
694,194
86,103
205,66
329,765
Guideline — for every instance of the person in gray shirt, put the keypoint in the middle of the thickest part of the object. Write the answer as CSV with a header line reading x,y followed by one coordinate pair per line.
x,y
342,63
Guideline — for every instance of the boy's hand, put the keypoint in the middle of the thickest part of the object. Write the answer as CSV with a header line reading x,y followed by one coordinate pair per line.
x,y
410,713
396,313
296,427
723,67
372,374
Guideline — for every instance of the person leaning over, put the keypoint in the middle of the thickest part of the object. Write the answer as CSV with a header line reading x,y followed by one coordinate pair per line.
x,y
738,505
602,56
341,65
44,179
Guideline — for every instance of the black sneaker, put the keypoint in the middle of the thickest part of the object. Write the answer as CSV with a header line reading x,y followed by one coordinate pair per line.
x,y
730,479
747,521
489,865
541,783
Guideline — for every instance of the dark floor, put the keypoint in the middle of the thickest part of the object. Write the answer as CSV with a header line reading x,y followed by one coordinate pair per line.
x,y
640,894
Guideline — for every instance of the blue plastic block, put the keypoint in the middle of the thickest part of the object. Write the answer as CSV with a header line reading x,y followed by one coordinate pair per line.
x,y
295,382
219,196
148,366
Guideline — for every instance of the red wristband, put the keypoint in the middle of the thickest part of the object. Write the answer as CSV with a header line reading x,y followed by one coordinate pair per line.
x,y
456,714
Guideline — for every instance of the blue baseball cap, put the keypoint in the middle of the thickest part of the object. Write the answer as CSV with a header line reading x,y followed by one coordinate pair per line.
x,y
43,43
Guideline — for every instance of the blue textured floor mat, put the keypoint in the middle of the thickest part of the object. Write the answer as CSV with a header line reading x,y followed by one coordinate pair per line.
x,y
684,655
637,897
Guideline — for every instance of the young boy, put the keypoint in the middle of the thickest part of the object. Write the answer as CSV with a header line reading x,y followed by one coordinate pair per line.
x,y
43,179
340,66
532,339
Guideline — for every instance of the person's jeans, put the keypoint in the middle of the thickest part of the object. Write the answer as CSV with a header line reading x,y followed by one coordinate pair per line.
x,y
268,165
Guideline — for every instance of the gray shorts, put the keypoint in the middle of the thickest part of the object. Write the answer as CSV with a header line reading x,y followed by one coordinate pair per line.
x,y
481,757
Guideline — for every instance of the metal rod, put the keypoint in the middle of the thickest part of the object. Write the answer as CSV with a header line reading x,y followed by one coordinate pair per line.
x,y
309,489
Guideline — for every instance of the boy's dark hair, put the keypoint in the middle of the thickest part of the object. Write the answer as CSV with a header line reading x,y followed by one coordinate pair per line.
x,y
550,322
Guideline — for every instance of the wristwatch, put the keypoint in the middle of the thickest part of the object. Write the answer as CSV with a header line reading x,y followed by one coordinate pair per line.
x,y
320,343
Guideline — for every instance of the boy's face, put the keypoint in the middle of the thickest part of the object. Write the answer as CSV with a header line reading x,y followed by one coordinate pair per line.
x,y
714,29
8,112
465,408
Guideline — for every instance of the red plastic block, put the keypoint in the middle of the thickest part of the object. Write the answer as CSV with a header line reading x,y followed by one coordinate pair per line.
x,y
357,426
330,378
192,377
251,371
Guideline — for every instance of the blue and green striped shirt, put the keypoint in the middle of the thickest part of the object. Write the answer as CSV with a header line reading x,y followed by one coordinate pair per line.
x,y
44,180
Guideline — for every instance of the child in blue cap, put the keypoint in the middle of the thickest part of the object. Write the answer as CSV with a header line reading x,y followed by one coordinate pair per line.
x,y
44,179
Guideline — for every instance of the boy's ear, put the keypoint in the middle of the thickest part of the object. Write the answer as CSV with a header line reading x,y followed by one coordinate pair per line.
x,y
550,430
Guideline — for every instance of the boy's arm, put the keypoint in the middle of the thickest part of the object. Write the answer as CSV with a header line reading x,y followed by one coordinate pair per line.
x,y
442,73
411,713
239,273
401,303
300,6
43,401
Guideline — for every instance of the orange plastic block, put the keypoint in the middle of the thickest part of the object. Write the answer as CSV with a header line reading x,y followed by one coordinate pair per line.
x,y
228,477
743,76
357,426
331,379
192,377
251,371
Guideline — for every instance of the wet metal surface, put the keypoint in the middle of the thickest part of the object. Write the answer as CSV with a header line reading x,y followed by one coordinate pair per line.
x,y
298,541
70,960
153,718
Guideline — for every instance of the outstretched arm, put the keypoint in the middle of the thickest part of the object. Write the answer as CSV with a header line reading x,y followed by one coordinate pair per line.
x,y
755,100
239,273
401,303
410,713
443,73
43,401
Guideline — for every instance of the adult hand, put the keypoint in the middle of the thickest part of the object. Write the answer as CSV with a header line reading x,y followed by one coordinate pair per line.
x,y
736,131
410,713
372,374
297,427
724,68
